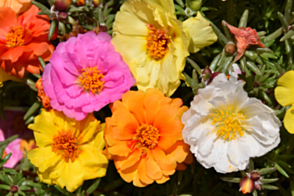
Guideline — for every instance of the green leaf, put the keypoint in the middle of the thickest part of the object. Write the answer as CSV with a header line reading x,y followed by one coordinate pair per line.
x,y
214,62
52,29
195,66
268,170
244,18
32,110
273,36
251,65
283,20
94,186
281,170
269,180
222,39
269,187
231,179
4,187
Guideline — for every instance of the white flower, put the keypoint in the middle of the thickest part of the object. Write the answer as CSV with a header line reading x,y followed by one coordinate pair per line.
x,y
224,127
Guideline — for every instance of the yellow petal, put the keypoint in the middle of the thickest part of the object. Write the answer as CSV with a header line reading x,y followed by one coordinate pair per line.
x,y
167,5
284,93
43,158
199,32
128,23
71,176
289,120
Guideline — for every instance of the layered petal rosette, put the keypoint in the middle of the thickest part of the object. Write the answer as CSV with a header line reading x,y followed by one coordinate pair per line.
x,y
85,74
23,39
224,127
152,42
144,137
69,151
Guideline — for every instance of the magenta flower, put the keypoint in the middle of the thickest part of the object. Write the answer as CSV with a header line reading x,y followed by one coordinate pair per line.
x,y
14,148
85,74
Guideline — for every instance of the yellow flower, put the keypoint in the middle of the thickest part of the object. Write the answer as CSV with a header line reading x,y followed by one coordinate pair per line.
x,y
18,6
199,32
4,77
284,95
152,43
69,151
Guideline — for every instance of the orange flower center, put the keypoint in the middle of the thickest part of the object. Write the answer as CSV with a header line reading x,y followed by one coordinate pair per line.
x,y
157,41
146,138
15,37
66,144
91,80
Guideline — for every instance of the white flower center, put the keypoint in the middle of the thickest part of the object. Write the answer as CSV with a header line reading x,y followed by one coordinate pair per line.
x,y
228,123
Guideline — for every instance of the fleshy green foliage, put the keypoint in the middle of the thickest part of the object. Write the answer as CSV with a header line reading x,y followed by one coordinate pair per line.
x,y
261,67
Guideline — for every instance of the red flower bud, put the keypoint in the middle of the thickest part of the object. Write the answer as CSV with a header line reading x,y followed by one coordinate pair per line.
x,y
254,176
62,5
13,189
246,185
230,48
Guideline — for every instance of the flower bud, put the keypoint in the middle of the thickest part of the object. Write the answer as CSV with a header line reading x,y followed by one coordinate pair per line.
x,y
196,5
254,176
62,5
96,3
212,76
246,185
230,48
62,15
13,189
80,3
206,73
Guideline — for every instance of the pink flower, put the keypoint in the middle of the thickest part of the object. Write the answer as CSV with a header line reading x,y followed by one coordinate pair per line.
x,y
12,125
85,74
14,148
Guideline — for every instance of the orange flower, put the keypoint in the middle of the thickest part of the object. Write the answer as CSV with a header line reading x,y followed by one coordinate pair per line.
x,y
18,6
22,40
42,96
144,137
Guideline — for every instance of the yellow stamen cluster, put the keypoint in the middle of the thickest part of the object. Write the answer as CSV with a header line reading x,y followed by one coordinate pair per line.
x,y
146,138
157,41
67,144
15,37
229,124
91,80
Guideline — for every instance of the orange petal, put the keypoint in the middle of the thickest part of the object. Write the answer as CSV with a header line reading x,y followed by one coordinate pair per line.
x,y
165,162
131,160
13,54
153,102
153,170
142,171
133,100
7,19
128,174
163,179
124,125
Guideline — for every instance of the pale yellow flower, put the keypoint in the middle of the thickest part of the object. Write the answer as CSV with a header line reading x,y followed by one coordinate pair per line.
x,y
18,6
199,32
152,43
69,151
